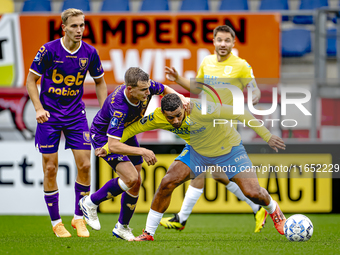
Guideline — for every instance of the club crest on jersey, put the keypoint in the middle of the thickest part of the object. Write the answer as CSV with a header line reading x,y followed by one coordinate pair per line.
x,y
86,136
114,122
227,70
83,62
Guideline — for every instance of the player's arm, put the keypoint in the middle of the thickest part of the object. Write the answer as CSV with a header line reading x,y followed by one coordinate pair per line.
x,y
31,84
115,146
273,141
101,90
185,101
256,93
147,123
172,75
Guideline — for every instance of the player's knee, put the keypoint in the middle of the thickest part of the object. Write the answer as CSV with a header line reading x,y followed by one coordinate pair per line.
x,y
131,181
50,171
84,167
168,183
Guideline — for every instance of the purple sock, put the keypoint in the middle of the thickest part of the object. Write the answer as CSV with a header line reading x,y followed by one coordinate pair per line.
x,y
128,206
52,202
80,190
109,190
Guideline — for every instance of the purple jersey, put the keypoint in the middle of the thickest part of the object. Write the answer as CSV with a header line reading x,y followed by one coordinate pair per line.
x,y
118,112
62,77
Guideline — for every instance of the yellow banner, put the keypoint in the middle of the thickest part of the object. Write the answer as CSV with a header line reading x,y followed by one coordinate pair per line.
x,y
307,190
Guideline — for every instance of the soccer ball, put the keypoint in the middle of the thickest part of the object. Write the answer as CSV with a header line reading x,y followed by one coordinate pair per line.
x,y
298,228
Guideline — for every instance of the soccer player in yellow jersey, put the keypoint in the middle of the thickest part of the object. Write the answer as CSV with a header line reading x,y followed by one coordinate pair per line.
x,y
221,68
207,145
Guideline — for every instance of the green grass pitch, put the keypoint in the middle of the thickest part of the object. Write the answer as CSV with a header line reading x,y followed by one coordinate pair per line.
x,y
204,234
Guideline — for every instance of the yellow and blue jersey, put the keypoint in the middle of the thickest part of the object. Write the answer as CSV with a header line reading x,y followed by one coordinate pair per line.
x,y
199,130
233,71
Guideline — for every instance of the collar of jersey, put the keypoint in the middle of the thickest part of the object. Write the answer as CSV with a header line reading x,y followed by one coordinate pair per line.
x,y
135,105
62,44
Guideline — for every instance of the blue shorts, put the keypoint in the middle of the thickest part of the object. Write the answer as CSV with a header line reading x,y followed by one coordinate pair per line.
x,y
231,164
76,132
114,159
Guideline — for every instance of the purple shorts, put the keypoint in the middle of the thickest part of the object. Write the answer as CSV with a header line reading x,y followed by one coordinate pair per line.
x,y
114,159
76,132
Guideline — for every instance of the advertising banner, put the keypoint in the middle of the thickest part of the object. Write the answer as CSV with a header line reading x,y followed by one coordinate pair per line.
x,y
154,41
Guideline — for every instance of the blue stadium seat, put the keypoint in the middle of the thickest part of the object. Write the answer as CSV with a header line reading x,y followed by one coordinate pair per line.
x,y
275,5
83,5
37,6
309,5
155,5
331,42
115,6
232,5
296,42
194,5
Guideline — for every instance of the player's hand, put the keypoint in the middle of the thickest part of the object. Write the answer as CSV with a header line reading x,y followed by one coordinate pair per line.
x,y
42,115
149,157
186,103
276,143
256,99
171,73
100,152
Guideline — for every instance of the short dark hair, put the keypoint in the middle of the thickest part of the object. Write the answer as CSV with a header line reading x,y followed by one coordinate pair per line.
x,y
171,102
225,29
135,74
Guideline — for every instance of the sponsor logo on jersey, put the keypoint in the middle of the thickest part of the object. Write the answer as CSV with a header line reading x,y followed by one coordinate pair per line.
x,y
114,122
117,114
86,136
83,62
189,122
244,156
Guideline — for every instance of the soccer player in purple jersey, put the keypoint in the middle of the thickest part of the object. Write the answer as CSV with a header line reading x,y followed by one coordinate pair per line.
x,y
62,65
126,105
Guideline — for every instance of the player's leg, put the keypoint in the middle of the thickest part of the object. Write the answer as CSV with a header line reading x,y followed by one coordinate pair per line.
x,y
128,177
248,183
82,188
177,173
48,134
128,205
77,137
260,214
192,194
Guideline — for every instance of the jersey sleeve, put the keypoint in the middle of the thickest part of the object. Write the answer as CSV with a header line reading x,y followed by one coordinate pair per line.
x,y
116,126
96,70
147,123
200,72
156,88
41,61
248,78
225,112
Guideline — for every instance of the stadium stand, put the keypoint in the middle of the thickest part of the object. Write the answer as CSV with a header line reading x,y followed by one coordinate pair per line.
x,y
37,6
296,42
115,6
7,6
231,5
267,5
331,42
78,4
155,5
194,5
309,5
